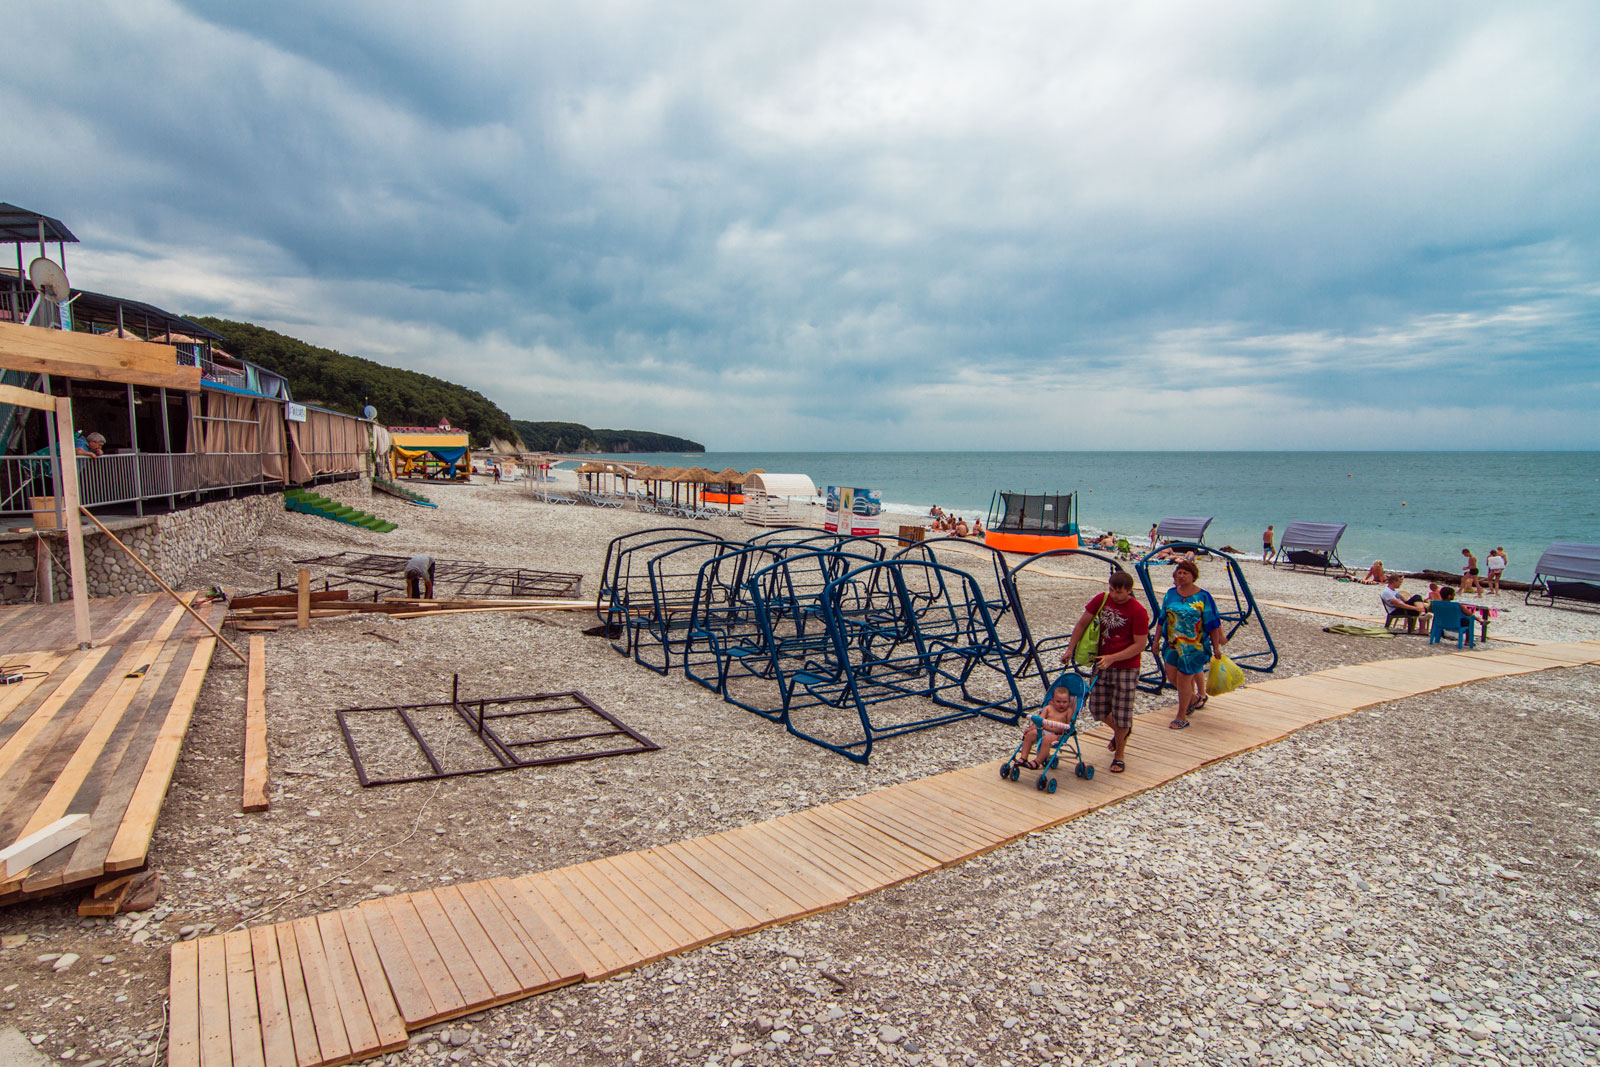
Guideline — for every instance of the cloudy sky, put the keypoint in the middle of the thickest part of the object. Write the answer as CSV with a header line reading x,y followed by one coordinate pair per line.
x,y
865,225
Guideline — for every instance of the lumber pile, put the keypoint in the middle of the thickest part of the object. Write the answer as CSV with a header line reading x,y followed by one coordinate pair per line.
x,y
260,611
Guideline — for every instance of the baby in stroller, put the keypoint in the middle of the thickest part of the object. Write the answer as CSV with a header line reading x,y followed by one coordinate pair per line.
x,y
1054,725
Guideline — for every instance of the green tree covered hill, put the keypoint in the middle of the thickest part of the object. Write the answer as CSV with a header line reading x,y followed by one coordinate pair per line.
x,y
575,437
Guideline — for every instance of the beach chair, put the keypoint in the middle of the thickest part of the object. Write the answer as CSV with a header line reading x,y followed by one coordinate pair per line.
x,y
1177,528
1311,544
1568,570
1448,617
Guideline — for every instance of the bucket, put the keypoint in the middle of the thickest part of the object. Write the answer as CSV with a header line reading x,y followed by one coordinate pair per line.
x,y
44,512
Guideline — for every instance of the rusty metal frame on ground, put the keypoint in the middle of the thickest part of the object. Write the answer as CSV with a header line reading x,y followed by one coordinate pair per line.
x,y
454,579
479,717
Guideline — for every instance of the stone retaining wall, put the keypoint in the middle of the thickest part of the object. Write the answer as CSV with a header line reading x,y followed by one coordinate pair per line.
x,y
171,544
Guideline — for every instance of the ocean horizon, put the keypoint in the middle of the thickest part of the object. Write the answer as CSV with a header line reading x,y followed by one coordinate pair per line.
x,y
1413,510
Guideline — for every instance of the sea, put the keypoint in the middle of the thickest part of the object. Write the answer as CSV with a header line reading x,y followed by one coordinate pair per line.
x,y
1413,510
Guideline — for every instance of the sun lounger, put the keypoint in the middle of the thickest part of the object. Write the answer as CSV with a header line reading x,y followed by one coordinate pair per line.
x,y
1173,528
1311,544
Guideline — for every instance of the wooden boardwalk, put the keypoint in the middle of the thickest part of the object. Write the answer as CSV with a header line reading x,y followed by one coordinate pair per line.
x,y
95,732
349,984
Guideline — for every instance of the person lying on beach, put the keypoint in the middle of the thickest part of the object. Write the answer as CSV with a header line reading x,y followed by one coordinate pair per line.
x,y
1374,573
1413,608
1057,716
1124,635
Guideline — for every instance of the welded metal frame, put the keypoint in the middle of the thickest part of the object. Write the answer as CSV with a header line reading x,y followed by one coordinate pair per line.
x,y
453,579
1263,661
477,715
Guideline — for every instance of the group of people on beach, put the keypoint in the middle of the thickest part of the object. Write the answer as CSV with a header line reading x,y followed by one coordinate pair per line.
x,y
944,522
1191,630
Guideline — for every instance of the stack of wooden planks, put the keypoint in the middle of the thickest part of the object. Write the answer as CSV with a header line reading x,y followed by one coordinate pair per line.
x,y
264,612
93,732
439,953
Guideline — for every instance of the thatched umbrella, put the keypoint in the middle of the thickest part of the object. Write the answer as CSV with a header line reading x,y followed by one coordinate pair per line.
x,y
675,476
590,469
698,476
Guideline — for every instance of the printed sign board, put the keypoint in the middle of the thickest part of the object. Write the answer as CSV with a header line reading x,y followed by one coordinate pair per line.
x,y
294,412
853,511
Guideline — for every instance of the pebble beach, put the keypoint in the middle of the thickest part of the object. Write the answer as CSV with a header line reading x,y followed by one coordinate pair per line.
x,y
1416,883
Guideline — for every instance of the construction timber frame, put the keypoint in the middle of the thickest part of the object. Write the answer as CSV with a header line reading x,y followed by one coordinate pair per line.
x,y
480,716
454,579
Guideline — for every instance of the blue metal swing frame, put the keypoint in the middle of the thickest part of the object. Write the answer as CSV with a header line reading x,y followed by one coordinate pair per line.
x,y
1233,619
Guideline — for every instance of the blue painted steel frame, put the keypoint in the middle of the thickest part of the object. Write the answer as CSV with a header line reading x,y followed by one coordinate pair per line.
x,y
1244,607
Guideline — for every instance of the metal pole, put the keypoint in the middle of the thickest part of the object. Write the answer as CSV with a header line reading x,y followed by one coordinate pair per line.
x,y
138,466
166,442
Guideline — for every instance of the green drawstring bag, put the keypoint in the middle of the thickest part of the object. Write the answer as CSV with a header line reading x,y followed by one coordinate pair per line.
x,y
1088,645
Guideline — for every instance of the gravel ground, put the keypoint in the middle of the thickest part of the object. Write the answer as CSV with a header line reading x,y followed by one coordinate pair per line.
x,y
1410,884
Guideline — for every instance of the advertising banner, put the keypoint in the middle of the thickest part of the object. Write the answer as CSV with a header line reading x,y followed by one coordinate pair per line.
x,y
853,511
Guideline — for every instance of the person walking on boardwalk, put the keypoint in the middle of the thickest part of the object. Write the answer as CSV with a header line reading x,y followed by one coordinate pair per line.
x,y
1192,632
1124,635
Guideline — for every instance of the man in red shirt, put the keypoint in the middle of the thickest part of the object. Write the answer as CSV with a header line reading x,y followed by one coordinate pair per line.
x,y
1124,635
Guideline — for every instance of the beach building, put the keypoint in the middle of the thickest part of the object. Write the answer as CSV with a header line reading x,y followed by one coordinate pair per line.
x,y
165,418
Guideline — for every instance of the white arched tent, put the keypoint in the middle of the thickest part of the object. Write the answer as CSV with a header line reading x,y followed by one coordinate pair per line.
x,y
778,499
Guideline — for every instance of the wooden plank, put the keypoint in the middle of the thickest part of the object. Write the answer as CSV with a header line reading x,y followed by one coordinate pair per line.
x,y
723,909
485,955
651,881
641,930
909,831
25,852
375,985
132,842
633,906
447,999
410,991
346,985
875,839
320,992
628,947
255,729
475,989
730,878
536,933
183,1006
302,1026
16,693
67,479
527,968
216,1044
43,716
94,357
574,926
244,1012
842,867
286,600
277,1040
303,599
27,398
889,870
796,875
793,900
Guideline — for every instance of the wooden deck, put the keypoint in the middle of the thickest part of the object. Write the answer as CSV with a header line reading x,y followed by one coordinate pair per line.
x,y
349,984
96,731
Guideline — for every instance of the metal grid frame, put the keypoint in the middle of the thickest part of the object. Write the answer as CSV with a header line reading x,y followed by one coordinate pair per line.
x,y
478,716
453,579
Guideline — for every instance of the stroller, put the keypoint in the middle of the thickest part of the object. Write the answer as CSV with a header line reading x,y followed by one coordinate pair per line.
x,y
1079,685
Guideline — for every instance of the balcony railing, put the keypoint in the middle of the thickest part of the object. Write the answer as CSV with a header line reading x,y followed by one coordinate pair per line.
x,y
129,477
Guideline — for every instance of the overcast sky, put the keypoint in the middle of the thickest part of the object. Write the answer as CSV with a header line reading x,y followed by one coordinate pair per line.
x,y
863,225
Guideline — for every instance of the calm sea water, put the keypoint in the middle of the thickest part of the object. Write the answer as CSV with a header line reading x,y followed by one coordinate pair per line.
x,y
1412,510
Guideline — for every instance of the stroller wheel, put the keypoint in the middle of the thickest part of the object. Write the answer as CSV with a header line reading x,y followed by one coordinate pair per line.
x,y
1005,770
1016,772
1088,772
1039,785
1052,787
1078,770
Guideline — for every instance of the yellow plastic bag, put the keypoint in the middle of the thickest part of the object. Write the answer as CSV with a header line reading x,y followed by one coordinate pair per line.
x,y
1224,676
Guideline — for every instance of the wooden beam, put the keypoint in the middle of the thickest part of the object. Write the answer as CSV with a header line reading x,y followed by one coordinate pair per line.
x,y
46,842
169,590
78,570
94,357
255,729
26,398
303,600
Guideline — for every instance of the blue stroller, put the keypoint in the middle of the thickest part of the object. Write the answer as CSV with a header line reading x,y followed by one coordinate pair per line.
x,y
1079,686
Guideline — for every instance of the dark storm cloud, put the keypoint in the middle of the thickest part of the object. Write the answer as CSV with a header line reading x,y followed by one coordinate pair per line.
x,y
809,225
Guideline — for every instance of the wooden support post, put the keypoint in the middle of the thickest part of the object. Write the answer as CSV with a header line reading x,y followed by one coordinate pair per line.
x,y
303,599
184,604
65,436
255,729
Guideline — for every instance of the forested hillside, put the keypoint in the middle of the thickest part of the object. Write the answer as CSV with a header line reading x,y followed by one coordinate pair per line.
x,y
575,437
344,383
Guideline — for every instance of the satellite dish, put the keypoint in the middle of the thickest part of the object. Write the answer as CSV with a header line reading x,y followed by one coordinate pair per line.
x,y
50,280
369,412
